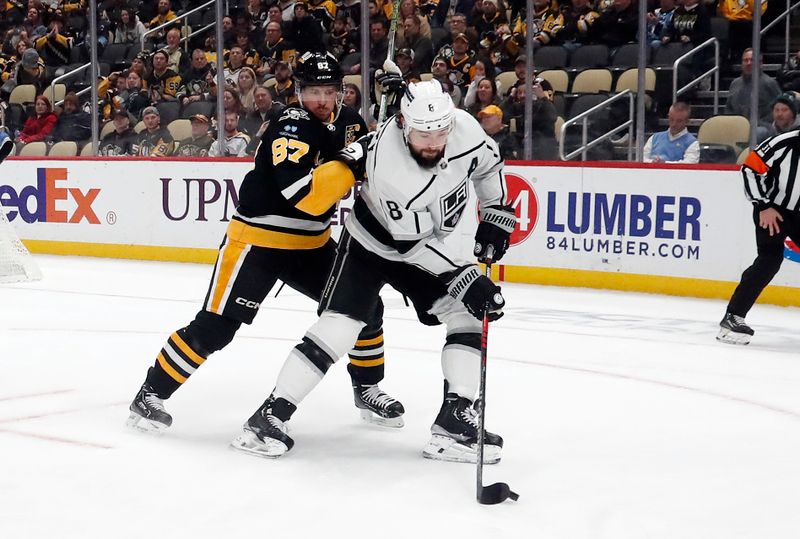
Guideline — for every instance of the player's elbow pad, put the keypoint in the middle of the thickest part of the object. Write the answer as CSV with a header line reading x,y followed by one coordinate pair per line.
x,y
329,183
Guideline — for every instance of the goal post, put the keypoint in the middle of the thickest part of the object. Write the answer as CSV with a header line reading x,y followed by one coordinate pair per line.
x,y
16,263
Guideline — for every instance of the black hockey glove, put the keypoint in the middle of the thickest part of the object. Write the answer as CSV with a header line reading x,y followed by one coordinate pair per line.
x,y
477,292
354,155
497,224
391,83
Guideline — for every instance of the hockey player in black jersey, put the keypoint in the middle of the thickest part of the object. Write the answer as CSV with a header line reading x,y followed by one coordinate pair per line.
x,y
281,230
418,167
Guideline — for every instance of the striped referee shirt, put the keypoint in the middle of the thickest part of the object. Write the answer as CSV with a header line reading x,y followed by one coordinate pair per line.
x,y
770,173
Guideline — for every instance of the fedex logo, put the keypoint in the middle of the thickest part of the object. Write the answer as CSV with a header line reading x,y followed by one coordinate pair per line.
x,y
50,200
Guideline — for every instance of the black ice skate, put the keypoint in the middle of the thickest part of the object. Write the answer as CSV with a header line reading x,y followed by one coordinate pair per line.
x,y
265,433
147,412
377,407
734,330
454,434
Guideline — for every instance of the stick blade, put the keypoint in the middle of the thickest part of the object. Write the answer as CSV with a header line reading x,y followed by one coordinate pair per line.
x,y
496,493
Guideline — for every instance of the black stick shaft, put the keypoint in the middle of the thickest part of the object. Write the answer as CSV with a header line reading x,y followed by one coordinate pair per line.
x,y
482,391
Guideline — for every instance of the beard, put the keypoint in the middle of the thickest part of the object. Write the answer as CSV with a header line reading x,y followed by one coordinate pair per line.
x,y
426,162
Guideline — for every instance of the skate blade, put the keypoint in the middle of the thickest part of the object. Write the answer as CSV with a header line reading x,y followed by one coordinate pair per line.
x,y
248,442
374,419
450,450
731,337
142,424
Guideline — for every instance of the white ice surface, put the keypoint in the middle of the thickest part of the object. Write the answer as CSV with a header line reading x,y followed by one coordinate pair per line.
x,y
623,418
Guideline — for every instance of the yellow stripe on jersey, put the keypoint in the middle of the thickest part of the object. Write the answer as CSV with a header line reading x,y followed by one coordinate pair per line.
x,y
170,370
230,257
198,360
244,233
366,362
329,183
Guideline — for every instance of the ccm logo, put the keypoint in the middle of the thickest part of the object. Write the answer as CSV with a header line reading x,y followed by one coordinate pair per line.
x,y
247,303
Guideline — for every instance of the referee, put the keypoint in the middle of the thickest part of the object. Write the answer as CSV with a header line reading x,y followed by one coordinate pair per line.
x,y
771,183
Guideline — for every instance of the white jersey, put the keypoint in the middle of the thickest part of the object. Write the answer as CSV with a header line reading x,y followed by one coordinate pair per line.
x,y
405,211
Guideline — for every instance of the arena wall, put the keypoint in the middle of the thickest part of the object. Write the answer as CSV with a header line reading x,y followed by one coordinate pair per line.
x,y
682,230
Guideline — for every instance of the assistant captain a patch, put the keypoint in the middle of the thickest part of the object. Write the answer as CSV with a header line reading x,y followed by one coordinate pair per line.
x,y
452,206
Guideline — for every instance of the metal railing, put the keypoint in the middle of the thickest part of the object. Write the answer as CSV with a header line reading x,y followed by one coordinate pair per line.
x,y
787,14
69,75
714,70
182,18
583,118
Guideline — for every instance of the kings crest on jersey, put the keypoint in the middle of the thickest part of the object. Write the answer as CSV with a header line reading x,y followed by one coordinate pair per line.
x,y
404,211
272,194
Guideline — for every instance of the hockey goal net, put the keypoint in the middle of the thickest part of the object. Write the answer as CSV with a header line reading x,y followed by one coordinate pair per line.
x,y
16,263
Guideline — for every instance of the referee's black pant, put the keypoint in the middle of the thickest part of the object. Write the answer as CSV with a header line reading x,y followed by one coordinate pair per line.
x,y
767,263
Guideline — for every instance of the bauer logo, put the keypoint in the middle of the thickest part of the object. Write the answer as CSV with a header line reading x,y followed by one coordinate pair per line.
x,y
624,224
51,200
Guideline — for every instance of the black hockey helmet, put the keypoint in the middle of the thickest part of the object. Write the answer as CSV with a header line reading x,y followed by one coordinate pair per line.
x,y
318,69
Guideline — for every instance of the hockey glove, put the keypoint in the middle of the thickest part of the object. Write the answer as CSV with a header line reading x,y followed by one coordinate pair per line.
x,y
5,144
497,224
354,155
477,292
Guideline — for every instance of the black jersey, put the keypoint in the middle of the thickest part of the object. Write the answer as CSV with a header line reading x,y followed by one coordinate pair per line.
x,y
274,196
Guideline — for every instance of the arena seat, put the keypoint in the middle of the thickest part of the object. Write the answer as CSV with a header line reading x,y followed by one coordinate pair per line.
x,y
65,148
731,130
589,56
180,129
34,149
592,81
558,79
552,57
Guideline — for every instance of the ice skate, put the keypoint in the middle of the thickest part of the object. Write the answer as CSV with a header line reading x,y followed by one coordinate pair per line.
x,y
734,330
265,433
454,434
377,407
147,412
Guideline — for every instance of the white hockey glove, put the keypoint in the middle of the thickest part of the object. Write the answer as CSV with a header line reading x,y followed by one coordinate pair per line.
x,y
477,292
497,224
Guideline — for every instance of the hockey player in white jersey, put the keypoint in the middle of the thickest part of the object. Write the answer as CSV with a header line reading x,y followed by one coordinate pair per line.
x,y
417,167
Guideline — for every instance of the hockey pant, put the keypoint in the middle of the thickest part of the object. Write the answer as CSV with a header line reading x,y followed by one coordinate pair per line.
x,y
243,276
352,293
767,263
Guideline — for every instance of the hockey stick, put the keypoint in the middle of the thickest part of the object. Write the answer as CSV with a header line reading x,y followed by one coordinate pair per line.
x,y
496,492
390,54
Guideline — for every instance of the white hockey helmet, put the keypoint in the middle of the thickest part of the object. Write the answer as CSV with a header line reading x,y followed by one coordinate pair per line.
x,y
425,106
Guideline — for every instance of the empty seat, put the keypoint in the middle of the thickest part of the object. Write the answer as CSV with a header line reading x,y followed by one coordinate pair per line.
x,y
589,56
65,148
114,53
551,57
169,111
628,56
558,79
133,50
206,108
507,79
586,102
629,80
57,95
349,79
731,130
592,81
23,94
86,151
665,55
34,149
180,129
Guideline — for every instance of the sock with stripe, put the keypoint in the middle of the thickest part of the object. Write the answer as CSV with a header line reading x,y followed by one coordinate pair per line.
x,y
366,358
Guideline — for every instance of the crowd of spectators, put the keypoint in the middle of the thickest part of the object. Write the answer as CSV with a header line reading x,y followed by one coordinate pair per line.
x,y
175,75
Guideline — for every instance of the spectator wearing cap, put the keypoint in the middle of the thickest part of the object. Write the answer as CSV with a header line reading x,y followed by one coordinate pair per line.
x,y
129,28
405,61
31,70
135,99
789,75
198,144
139,64
421,45
784,115
460,61
490,18
274,49
163,82
491,119
154,140
676,144
235,142
579,18
121,140
73,123
177,60
283,91
618,25
194,84
543,118
304,31
39,126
